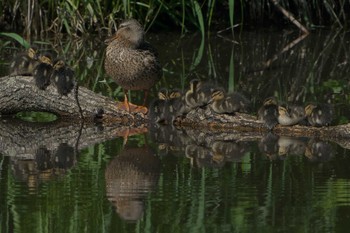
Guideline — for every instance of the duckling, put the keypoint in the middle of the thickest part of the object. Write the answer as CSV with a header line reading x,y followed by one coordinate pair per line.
x,y
268,113
156,111
199,94
291,115
63,77
42,72
24,63
132,62
191,95
173,106
234,102
319,114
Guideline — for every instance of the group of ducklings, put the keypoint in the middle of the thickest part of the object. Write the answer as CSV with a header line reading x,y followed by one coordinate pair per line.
x,y
273,113
45,70
174,103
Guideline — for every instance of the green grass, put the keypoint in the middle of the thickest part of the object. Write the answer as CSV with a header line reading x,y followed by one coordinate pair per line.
x,y
77,17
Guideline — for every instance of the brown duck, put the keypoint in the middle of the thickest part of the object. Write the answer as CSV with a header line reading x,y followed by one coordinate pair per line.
x,y
132,62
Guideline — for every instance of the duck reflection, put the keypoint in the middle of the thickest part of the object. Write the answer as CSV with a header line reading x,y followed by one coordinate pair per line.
x,y
318,150
129,178
44,165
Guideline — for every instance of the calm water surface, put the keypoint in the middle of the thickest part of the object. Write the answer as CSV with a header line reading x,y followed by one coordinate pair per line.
x,y
172,180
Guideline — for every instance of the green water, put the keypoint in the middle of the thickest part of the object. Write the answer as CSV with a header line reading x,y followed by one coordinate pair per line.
x,y
171,180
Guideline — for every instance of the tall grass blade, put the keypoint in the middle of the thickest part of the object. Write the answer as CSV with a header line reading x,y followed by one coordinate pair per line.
x,y
17,38
231,78
231,5
199,15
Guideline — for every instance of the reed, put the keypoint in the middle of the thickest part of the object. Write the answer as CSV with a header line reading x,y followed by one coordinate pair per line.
x,y
77,17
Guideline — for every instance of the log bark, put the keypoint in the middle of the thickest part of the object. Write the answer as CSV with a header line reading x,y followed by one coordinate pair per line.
x,y
19,93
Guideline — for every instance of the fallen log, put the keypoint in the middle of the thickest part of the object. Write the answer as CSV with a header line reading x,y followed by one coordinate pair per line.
x,y
19,93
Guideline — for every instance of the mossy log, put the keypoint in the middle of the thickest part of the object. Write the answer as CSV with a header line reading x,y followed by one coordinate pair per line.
x,y
19,93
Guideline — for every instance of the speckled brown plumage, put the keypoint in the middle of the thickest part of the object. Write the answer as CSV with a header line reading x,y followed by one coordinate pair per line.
x,y
130,61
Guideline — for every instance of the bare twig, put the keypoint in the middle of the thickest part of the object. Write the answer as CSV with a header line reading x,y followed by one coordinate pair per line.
x,y
290,16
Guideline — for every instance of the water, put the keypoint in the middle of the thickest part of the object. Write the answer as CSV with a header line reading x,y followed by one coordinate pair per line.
x,y
55,179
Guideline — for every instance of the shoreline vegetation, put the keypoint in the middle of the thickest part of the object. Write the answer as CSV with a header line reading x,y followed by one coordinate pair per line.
x,y
77,17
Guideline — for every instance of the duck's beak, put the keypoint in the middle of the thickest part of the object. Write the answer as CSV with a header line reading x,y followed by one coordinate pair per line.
x,y
109,39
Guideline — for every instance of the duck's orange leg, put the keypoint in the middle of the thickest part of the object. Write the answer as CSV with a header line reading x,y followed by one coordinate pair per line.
x,y
129,107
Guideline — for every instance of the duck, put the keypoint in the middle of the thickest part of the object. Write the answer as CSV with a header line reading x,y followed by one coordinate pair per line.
x,y
268,113
24,63
63,77
156,111
43,71
319,114
228,103
290,115
132,62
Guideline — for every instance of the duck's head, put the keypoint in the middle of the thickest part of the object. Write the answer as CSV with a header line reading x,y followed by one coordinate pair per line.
x,y
194,84
163,94
46,58
32,53
270,101
130,30
309,108
282,111
217,95
58,64
175,93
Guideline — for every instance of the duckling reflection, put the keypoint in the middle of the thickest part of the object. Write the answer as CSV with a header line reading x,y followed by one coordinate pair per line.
x,y
318,150
203,157
231,150
170,139
269,145
130,176
44,165
290,146
64,156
